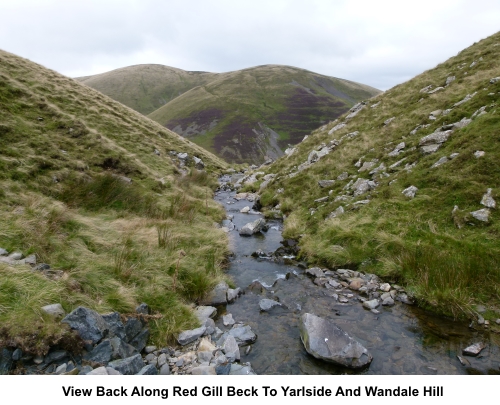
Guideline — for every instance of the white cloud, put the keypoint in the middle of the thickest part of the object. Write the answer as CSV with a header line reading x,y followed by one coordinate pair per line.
x,y
378,43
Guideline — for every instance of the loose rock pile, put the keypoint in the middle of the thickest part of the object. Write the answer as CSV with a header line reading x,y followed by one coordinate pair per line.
x,y
369,289
183,159
208,350
19,259
114,344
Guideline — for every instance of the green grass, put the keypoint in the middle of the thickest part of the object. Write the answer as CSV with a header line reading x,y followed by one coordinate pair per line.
x,y
145,88
65,151
447,261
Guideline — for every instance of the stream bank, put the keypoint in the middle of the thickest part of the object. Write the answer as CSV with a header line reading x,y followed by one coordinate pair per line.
x,y
402,338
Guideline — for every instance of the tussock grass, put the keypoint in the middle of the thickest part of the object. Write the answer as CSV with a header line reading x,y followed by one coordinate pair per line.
x,y
446,260
106,191
65,151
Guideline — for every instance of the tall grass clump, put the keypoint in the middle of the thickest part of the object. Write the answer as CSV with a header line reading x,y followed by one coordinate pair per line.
x,y
451,280
107,191
166,237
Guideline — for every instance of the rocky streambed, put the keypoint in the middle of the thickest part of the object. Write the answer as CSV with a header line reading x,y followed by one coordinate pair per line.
x,y
279,292
282,317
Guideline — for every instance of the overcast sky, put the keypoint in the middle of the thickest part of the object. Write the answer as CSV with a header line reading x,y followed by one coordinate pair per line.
x,y
377,42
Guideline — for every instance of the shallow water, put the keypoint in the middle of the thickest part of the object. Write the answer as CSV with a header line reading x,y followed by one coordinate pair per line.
x,y
403,339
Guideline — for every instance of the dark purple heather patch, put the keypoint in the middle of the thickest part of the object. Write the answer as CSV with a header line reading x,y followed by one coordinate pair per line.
x,y
237,142
202,118
239,136
304,113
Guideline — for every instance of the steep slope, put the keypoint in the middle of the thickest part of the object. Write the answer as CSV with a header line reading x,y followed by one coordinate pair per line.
x,y
96,191
404,185
146,88
252,114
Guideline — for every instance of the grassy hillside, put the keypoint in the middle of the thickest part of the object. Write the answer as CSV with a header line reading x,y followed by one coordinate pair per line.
x,y
252,114
431,243
145,88
90,187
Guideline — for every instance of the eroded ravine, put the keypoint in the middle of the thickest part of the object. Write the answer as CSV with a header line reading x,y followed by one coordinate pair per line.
x,y
403,339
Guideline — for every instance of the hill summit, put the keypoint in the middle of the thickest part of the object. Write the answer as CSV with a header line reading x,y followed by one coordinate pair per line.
x,y
247,115
145,88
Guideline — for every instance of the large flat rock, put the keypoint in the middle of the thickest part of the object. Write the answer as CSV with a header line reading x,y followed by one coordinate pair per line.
x,y
326,341
189,336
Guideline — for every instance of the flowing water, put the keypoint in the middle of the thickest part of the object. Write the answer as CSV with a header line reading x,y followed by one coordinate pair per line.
x,y
403,339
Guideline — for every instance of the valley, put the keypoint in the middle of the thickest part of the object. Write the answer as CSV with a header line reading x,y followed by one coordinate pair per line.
x,y
300,204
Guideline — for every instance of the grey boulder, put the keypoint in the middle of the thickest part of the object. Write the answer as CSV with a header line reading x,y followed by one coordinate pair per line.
x,y
54,310
148,370
205,312
228,320
115,324
209,326
88,323
121,349
372,304
5,361
142,309
165,369
252,227
315,272
488,200
203,370
129,366
101,353
232,294
231,349
104,371
326,341
133,327
240,369
474,350
410,191
140,340
243,334
326,183
481,215
189,336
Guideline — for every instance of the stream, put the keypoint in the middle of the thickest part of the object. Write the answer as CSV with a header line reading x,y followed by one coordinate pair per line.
x,y
403,339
